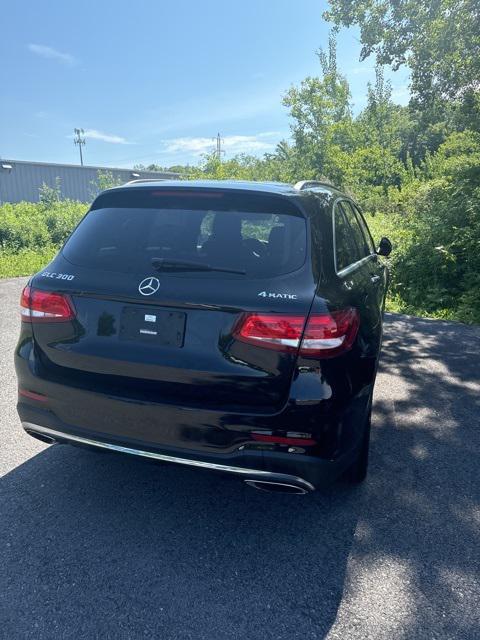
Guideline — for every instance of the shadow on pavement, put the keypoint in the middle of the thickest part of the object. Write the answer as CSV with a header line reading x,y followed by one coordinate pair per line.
x,y
103,545
416,551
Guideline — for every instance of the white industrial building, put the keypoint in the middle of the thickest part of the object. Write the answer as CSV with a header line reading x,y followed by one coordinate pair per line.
x,y
21,180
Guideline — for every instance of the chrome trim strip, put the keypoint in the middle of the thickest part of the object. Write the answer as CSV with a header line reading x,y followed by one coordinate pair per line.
x,y
354,266
268,475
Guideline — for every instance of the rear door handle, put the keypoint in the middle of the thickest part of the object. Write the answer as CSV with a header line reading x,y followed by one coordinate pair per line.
x,y
375,279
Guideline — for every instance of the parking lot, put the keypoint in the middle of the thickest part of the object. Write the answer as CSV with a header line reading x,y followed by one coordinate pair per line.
x,y
100,545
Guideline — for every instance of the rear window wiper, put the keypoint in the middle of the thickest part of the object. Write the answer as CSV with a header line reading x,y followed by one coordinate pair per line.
x,y
185,265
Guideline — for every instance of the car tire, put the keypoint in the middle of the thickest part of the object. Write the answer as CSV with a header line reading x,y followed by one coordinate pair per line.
x,y
357,472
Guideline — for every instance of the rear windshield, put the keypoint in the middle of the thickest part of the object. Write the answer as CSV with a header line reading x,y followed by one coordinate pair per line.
x,y
262,236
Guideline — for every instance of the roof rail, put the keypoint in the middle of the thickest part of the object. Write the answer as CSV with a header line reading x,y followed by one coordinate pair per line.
x,y
308,184
147,180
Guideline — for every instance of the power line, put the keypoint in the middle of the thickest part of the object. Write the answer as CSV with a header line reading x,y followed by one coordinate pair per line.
x,y
80,141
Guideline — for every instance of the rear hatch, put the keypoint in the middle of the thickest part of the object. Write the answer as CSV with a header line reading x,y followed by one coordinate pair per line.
x,y
160,281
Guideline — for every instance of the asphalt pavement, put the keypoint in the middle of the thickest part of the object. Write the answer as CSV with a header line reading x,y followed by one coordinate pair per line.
x,y
102,545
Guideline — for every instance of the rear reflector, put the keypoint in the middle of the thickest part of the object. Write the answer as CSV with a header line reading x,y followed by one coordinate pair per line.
x,y
39,397
325,335
299,442
45,306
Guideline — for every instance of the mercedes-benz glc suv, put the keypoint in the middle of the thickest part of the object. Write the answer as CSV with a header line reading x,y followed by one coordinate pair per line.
x,y
230,326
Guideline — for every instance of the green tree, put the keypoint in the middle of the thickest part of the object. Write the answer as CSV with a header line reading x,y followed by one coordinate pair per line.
x,y
106,180
184,170
322,119
48,196
380,157
438,39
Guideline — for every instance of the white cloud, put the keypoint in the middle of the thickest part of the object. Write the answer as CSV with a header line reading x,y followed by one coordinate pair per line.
x,y
271,134
231,144
51,53
93,134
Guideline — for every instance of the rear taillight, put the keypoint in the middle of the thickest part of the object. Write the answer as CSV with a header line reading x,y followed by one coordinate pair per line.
x,y
44,306
278,332
326,334
329,334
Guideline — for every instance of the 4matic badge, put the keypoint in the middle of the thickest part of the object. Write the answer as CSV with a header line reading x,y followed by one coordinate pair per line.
x,y
285,296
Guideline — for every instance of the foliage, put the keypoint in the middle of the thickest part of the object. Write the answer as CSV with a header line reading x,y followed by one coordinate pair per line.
x,y
435,230
321,113
34,226
105,180
184,170
62,218
25,262
415,171
439,40
48,195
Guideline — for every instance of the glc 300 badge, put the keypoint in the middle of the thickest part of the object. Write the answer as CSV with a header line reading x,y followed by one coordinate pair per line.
x,y
149,285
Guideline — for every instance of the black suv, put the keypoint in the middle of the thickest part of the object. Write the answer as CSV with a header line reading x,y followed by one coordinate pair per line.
x,y
233,326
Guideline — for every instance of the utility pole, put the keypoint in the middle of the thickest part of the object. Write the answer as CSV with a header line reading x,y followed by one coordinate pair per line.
x,y
80,141
218,149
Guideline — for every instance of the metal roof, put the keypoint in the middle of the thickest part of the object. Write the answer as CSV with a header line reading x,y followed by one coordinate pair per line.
x,y
86,166
21,180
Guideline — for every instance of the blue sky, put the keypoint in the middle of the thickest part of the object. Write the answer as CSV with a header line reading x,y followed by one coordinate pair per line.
x,y
154,81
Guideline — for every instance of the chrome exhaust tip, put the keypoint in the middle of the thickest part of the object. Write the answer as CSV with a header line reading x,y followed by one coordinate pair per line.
x,y
41,436
276,487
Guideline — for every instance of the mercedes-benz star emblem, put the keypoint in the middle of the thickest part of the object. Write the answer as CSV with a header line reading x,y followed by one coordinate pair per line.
x,y
149,285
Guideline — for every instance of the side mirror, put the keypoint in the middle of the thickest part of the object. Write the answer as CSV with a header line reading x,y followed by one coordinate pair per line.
x,y
384,247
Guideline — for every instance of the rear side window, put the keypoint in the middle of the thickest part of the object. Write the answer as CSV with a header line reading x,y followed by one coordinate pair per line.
x,y
365,230
359,238
352,243
346,250
125,231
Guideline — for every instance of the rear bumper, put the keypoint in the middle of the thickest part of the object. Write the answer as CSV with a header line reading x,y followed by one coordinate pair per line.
x,y
302,471
246,473
196,437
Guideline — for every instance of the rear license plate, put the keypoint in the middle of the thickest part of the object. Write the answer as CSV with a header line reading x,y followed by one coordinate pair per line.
x,y
151,325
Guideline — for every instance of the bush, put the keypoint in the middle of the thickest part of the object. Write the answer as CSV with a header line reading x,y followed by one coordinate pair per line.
x,y
32,233
25,262
435,231
33,226
62,218
22,226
